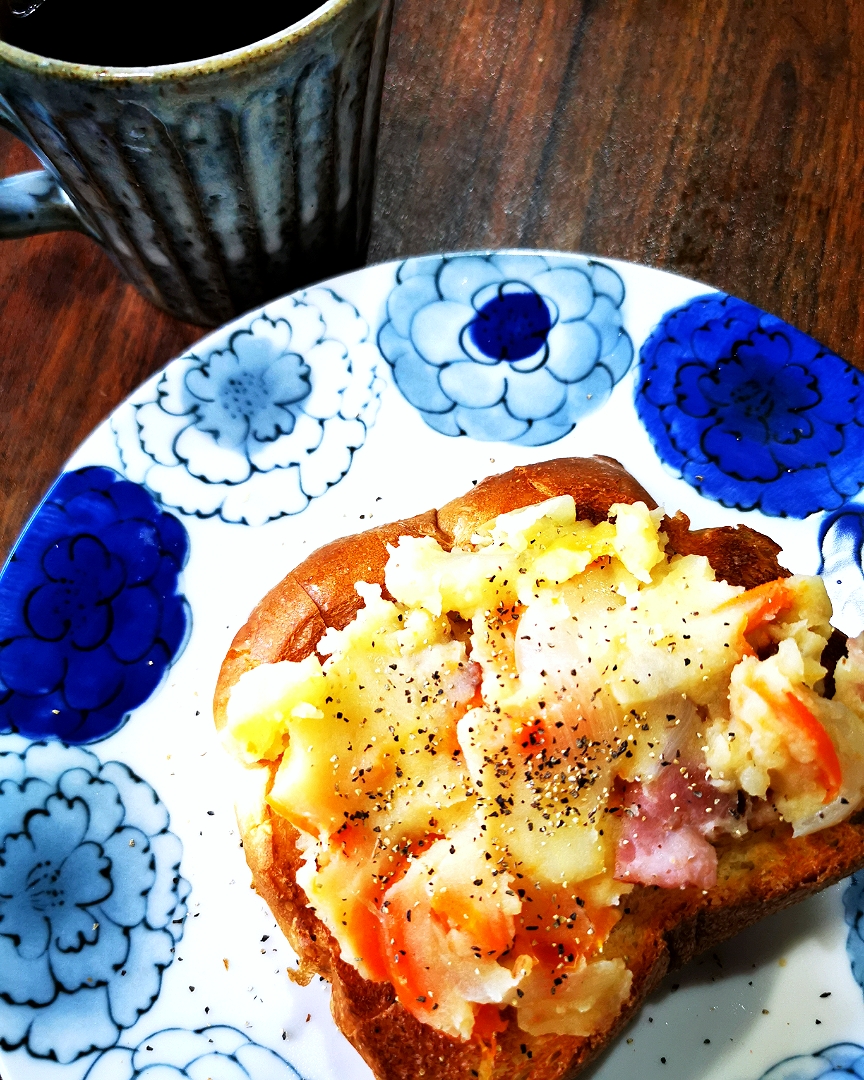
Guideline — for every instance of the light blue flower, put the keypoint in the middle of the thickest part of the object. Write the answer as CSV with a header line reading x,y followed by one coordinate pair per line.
x,y
513,348
257,427
217,1053
91,900
244,395
842,1059
853,909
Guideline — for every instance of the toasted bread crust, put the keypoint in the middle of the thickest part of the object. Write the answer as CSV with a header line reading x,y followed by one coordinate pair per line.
x,y
661,929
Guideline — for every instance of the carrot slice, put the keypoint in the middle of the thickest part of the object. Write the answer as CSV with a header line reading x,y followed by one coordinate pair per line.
x,y
488,1022
830,774
763,603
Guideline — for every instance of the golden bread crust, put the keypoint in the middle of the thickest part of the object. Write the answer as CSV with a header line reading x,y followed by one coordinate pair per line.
x,y
661,929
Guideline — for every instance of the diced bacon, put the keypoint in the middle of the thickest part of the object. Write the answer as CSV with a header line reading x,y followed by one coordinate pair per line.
x,y
649,854
762,815
855,650
464,683
666,822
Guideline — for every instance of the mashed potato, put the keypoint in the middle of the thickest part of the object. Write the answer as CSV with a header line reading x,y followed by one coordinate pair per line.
x,y
482,766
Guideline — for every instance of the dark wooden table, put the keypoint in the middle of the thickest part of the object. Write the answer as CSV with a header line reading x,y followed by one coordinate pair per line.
x,y
723,139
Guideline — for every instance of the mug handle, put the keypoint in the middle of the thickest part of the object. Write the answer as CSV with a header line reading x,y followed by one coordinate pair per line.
x,y
33,203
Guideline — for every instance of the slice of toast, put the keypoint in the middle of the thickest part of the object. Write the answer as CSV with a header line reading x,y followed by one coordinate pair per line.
x,y
660,929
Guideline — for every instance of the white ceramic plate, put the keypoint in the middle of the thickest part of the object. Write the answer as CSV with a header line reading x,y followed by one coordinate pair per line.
x,y
131,944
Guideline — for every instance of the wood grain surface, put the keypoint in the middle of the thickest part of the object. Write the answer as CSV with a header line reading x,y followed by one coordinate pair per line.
x,y
723,140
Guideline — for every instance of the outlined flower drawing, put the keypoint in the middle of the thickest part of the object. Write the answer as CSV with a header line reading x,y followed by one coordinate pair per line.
x,y
510,348
751,412
91,613
91,900
217,1053
841,543
842,1059
254,430
853,910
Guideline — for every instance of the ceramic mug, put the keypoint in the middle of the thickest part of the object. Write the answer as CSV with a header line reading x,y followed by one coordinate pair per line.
x,y
214,184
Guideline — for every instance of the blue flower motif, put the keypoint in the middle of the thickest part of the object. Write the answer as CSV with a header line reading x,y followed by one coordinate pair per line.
x,y
258,427
245,405
750,411
91,900
217,1053
841,542
853,910
91,616
842,1059
512,348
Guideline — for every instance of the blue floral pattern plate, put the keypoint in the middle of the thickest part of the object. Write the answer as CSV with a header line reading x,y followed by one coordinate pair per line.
x,y
131,945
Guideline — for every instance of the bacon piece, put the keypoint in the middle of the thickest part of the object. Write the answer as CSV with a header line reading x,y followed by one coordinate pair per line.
x,y
666,822
464,684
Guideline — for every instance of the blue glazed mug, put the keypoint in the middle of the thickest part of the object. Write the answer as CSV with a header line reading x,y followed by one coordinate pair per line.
x,y
215,184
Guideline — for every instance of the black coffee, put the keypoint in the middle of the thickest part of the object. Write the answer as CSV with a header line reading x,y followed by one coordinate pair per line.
x,y
110,33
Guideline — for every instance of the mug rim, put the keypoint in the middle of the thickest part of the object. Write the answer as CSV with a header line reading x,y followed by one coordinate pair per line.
x,y
103,73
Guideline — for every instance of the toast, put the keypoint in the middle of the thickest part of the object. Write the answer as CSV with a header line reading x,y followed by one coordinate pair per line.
x,y
757,874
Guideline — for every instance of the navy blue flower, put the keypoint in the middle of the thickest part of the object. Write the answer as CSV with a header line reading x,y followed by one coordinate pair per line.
x,y
750,411
91,900
90,612
512,348
842,1059
217,1053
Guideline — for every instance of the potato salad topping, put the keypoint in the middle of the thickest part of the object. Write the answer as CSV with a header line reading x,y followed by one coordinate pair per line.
x,y
480,768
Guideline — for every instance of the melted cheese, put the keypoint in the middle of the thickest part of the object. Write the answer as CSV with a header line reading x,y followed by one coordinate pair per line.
x,y
461,762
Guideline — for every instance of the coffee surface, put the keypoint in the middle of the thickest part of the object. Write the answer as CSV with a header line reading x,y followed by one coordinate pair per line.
x,y
112,34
